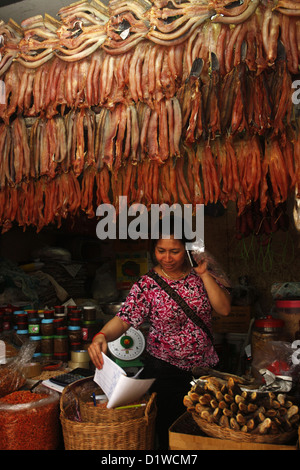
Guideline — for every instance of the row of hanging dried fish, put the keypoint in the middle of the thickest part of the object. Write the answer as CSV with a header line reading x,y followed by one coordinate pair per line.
x,y
63,167
163,102
203,26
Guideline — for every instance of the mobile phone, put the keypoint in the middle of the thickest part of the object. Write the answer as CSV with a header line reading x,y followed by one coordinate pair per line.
x,y
191,259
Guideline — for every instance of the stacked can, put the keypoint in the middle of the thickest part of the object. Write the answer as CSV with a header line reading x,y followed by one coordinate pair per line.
x,y
61,345
34,332
7,324
75,330
89,324
20,325
47,334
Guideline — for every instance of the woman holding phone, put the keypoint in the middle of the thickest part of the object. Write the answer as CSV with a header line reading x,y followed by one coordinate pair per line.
x,y
177,341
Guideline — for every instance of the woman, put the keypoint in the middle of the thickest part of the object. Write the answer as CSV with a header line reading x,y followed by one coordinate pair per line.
x,y
175,344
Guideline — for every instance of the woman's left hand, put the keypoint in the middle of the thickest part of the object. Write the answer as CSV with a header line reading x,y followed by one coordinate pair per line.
x,y
218,297
201,268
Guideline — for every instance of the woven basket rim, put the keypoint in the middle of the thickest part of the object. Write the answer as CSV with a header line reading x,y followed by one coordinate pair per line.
x,y
148,409
92,413
150,412
151,415
216,431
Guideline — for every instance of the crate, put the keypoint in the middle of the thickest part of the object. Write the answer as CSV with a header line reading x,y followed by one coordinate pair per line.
x,y
236,322
184,434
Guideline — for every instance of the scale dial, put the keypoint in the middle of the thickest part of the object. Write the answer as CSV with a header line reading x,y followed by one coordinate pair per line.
x,y
129,346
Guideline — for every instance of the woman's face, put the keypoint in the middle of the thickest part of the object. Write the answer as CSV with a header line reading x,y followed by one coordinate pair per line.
x,y
170,254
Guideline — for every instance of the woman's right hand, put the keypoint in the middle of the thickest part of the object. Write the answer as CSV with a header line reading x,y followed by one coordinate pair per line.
x,y
96,348
111,331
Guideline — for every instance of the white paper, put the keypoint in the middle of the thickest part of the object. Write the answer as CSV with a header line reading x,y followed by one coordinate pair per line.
x,y
107,377
53,386
128,389
119,389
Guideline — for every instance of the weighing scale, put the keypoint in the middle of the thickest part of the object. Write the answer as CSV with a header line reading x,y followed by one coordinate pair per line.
x,y
127,349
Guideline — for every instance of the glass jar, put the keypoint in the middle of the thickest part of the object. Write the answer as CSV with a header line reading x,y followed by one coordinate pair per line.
x,y
89,329
75,322
289,312
47,327
32,314
70,310
61,356
265,330
7,320
37,340
21,337
48,314
61,344
75,346
59,322
59,309
47,346
89,313
77,313
75,334
34,325
20,319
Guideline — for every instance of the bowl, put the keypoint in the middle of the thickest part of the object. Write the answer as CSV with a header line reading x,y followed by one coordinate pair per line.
x,y
111,308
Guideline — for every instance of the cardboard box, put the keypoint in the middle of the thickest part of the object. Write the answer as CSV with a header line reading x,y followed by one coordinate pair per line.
x,y
185,434
236,322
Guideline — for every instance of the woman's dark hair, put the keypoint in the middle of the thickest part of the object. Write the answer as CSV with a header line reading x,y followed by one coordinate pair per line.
x,y
168,226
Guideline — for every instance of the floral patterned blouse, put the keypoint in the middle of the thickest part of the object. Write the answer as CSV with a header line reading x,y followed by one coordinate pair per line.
x,y
172,337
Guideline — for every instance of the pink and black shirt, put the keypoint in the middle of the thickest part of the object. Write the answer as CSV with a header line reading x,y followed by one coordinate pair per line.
x,y
172,337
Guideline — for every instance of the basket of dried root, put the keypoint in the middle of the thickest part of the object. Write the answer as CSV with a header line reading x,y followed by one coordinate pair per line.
x,y
223,410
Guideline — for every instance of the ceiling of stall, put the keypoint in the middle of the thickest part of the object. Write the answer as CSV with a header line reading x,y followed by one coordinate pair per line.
x,y
20,10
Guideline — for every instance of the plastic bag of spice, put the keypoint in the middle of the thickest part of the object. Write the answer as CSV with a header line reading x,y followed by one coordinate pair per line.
x,y
11,374
30,420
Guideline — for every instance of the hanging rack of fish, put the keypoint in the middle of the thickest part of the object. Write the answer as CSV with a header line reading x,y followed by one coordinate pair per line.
x,y
174,101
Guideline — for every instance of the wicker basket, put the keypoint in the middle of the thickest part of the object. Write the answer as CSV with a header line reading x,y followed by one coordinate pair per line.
x,y
131,434
214,430
100,414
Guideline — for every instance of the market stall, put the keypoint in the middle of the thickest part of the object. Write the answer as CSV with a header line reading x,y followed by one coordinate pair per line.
x,y
157,102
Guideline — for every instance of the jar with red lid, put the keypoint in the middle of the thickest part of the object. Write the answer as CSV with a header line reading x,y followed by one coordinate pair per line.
x,y
289,312
70,309
59,309
59,322
75,346
61,330
48,314
75,322
20,320
61,356
32,314
265,330
7,320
